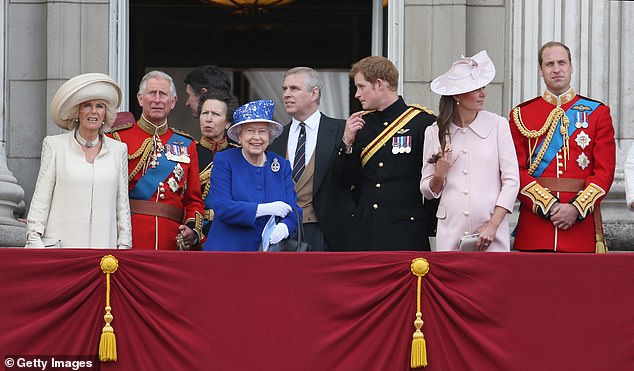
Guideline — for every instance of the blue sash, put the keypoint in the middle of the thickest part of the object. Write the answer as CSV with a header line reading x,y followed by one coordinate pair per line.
x,y
582,105
148,184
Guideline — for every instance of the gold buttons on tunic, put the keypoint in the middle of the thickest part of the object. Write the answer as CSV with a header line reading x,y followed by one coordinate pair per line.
x,y
375,206
380,164
378,185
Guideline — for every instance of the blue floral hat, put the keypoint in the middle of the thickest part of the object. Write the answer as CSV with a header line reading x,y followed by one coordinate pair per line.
x,y
256,111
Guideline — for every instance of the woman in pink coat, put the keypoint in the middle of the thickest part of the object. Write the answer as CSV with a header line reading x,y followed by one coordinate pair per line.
x,y
470,161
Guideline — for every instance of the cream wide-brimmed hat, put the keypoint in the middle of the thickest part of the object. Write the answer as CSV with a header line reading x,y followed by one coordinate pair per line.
x,y
79,89
465,75
256,111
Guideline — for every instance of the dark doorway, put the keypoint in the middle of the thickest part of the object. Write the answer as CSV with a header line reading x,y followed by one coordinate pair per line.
x,y
187,33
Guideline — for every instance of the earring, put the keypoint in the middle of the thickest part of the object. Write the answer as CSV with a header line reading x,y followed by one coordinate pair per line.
x,y
103,123
457,103
76,119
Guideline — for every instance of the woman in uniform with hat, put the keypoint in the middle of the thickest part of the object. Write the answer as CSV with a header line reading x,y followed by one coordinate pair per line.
x,y
470,161
81,194
251,184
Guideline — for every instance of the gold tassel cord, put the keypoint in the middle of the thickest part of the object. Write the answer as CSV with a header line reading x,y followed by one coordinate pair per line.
x,y
419,268
108,342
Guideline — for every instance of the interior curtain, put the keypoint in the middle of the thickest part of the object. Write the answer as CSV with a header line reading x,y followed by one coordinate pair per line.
x,y
267,84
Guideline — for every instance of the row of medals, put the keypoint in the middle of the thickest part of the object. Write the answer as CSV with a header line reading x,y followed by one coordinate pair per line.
x,y
402,144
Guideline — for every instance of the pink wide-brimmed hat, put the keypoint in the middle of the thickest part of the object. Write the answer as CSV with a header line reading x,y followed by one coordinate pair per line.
x,y
465,75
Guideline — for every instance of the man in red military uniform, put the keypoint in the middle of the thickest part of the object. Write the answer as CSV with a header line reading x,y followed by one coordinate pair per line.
x,y
566,153
164,183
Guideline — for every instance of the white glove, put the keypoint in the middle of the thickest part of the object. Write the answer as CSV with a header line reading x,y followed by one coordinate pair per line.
x,y
277,208
279,233
33,239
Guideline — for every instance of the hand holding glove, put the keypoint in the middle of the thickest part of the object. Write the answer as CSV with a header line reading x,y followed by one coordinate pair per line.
x,y
277,208
279,233
33,239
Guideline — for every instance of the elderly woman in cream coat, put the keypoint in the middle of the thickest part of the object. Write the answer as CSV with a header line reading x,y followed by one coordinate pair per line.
x,y
81,194
470,160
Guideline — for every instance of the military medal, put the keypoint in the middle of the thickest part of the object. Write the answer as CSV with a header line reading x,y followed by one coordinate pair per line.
x,y
275,166
583,140
177,152
395,145
173,184
179,172
578,120
584,122
583,161
408,144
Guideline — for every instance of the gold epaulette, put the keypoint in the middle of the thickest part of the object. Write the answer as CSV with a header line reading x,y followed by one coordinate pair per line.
x,y
541,197
183,134
591,99
423,108
584,202
122,127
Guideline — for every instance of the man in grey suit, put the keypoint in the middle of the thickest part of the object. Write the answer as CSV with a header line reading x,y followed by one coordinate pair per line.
x,y
310,143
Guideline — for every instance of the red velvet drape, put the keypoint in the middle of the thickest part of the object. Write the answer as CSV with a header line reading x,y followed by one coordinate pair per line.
x,y
322,311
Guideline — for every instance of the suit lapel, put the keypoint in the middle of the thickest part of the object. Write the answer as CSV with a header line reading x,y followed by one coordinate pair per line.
x,y
326,140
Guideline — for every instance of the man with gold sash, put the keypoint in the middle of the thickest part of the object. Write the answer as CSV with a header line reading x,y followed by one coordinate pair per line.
x,y
381,156
566,154
215,112
164,182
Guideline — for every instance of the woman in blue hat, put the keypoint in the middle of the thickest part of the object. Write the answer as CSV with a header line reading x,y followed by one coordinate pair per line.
x,y
249,185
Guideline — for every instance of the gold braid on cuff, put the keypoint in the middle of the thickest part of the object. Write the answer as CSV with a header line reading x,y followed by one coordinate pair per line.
x,y
542,199
585,200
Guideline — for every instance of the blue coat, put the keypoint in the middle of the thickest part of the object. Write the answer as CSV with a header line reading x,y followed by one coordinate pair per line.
x,y
237,187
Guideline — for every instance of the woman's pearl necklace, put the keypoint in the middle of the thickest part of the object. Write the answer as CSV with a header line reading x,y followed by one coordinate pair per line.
x,y
84,142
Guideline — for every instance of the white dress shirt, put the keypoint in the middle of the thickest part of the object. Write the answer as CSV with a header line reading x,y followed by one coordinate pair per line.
x,y
312,126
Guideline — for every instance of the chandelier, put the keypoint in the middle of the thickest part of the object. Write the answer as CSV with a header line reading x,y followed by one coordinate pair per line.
x,y
249,9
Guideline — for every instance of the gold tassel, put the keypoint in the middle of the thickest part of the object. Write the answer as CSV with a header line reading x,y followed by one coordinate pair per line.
x,y
419,268
600,247
108,342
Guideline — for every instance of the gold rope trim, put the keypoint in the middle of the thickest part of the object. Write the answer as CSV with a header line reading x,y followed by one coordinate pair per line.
x,y
108,342
550,125
144,152
386,134
205,176
419,268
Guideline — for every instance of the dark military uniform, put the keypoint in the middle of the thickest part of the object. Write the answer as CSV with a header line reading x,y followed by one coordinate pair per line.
x,y
207,149
390,214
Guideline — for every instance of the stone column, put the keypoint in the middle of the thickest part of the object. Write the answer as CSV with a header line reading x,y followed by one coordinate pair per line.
x,y
12,232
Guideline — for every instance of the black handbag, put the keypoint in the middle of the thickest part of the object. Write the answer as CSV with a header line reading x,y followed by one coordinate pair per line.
x,y
289,244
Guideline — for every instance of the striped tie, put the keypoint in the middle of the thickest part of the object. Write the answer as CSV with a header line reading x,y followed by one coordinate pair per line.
x,y
300,153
